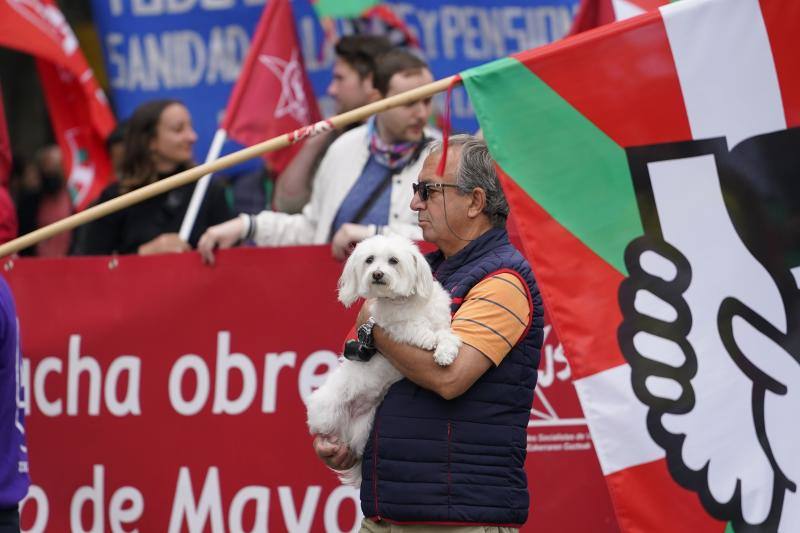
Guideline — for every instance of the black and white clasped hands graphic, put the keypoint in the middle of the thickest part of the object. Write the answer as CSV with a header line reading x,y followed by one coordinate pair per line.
x,y
711,321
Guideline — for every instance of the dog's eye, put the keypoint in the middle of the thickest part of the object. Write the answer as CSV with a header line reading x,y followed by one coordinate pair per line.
x,y
370,259
393,261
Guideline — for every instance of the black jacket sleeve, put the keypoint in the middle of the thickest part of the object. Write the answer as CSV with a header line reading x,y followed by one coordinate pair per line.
x,y
104,235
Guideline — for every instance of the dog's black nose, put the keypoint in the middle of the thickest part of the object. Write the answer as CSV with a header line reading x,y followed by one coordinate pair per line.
x,y
377,275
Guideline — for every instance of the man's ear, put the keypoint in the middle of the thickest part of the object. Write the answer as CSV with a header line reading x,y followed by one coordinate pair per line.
x,y
478,202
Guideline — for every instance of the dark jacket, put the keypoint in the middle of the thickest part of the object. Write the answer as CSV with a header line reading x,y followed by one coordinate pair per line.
x,y
124,231
459,461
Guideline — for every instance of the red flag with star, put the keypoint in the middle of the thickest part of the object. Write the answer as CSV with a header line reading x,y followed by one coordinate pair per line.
x,y
273,95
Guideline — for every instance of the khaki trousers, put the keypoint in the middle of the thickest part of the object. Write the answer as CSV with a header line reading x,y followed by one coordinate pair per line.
x,y
369,526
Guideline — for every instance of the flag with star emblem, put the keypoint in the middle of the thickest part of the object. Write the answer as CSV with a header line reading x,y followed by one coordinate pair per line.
x,y
273,94
652,165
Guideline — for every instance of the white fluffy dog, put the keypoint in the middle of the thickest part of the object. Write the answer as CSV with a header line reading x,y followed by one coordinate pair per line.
x,y
411,307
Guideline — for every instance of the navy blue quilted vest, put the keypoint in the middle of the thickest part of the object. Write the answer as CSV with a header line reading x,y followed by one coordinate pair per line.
x,y
459,461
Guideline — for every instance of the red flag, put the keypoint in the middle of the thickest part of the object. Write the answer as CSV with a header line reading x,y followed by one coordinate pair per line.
x,y
594,13
5,146
39,28
87,166
273,95
8,215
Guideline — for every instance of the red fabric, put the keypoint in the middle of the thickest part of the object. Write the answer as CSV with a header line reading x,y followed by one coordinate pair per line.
x,y
446,126
636,97
8,214
273,95
594,13
275,306
780,19
385,13
576,307
52,209
652,485
87,165
591,14
5,146
40,29
8,217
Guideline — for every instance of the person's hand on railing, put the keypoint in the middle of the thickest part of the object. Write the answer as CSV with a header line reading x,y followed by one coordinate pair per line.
x,y
222,235
166,243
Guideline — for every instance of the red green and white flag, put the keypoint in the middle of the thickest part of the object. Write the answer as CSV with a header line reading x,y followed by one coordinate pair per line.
x,y
652,166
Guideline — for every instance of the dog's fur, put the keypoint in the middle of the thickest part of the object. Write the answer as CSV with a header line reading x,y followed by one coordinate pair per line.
x,y
411,307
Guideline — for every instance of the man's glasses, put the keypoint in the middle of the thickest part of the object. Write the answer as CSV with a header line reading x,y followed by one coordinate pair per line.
x,y
424,189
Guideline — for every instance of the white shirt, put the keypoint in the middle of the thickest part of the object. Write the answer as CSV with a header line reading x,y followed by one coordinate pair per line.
x,y
338,171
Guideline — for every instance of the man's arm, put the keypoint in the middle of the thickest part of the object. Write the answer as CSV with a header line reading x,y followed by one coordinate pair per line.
x,y
418,365
293,186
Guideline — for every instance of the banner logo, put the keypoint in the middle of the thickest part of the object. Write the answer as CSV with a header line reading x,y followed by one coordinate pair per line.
x,y
290,75
710,325
81,172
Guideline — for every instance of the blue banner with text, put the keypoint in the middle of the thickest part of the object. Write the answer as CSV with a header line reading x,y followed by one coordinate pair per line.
x,y
193,50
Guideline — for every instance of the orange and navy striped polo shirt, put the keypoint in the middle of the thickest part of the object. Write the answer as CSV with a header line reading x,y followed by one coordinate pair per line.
x,y
494,315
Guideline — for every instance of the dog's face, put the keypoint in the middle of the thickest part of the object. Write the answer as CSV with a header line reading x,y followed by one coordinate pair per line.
x,y
385,267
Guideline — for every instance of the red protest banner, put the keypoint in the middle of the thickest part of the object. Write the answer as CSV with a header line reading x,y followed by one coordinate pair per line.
x,y
165,395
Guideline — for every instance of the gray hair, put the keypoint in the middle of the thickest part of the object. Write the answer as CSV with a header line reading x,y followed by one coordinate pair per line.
x,y
476,168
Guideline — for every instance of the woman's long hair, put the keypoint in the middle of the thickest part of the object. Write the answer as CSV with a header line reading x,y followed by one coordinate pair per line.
x,y
138,168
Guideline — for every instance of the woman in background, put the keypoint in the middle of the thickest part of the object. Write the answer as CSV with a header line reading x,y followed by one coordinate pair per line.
x,y
158,143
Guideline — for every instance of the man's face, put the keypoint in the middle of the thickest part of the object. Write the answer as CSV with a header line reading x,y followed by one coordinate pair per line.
x,y
348,89
405,123
443,216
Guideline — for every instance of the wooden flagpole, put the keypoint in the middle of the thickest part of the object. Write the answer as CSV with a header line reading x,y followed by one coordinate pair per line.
x,y
195,173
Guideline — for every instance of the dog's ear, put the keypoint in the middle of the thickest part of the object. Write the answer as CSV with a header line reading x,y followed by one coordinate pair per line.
x,y
348,282
423,277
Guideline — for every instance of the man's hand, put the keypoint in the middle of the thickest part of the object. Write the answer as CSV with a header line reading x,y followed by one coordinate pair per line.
x,y
222,235
333,453
364,313
346,239
166,243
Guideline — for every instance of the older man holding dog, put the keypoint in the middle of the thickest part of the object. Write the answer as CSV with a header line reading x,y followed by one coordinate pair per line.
x,y
448,443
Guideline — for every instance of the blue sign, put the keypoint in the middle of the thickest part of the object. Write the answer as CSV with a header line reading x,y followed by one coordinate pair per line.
x,y
453,36
193,50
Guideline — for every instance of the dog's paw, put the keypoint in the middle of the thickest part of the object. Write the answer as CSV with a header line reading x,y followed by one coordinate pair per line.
x,y
425,339
446,349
